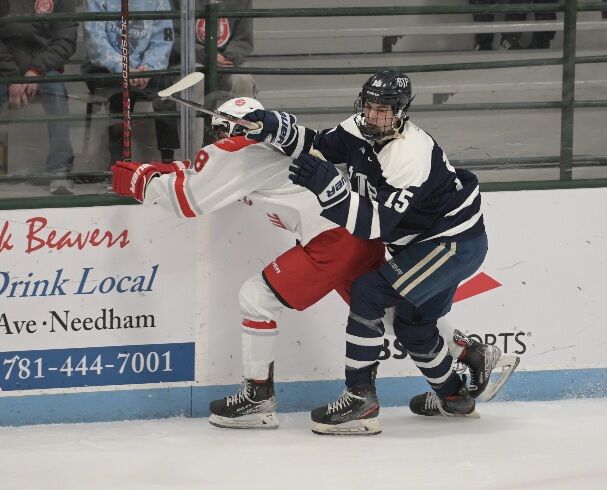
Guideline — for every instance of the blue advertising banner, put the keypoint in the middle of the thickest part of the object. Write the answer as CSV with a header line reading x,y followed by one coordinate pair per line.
x,y
96,366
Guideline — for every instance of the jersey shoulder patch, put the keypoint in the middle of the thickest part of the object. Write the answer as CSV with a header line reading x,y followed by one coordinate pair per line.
x,y
234,143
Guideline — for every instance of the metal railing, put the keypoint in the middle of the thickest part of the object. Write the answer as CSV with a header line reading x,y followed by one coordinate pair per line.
x,y
213,11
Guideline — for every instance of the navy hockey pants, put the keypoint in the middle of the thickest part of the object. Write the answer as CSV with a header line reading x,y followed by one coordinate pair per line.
x,y
420,280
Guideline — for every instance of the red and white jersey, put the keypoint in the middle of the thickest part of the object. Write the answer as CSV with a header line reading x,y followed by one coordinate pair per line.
x,y
236,169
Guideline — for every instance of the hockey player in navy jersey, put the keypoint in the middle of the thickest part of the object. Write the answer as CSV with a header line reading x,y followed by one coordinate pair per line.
x,y
401,189
327,258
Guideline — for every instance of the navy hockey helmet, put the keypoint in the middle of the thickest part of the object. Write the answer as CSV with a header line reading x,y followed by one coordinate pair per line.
x,y
386,87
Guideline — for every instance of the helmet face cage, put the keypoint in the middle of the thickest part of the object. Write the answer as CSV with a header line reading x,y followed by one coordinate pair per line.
x,y
386,88
238,107
217,132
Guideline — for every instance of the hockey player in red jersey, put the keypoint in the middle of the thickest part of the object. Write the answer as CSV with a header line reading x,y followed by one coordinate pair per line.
x,y
221,174
327,257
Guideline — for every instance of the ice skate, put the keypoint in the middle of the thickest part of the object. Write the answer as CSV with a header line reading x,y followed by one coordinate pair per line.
x,y
253,407
460,404
483,360
353,413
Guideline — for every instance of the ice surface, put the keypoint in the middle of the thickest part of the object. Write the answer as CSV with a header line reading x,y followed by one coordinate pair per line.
x,y
514,445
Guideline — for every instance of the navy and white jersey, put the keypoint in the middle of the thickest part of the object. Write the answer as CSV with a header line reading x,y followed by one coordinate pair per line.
x,y
404,189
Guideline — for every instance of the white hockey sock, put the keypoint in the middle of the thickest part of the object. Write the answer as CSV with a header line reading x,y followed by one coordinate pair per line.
x,y
258,348
446,332
260,308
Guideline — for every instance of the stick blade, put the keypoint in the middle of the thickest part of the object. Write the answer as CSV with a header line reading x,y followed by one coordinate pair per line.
x,y
186,82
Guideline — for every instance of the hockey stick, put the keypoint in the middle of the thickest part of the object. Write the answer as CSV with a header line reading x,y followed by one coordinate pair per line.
x,y
126,99
187,82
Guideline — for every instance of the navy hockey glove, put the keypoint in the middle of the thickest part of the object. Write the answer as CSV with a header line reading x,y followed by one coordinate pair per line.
x,y
321,177
278,128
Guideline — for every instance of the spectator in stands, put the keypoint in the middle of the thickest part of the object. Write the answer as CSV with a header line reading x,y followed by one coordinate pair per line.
x,y
512,40
234,44
150,44
41,49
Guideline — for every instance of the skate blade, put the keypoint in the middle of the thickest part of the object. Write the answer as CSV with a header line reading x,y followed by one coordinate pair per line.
x,y
251,421
363,427
472,415
507,364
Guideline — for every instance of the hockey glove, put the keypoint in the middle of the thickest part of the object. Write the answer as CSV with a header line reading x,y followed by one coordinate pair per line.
x,y
131,179
169,168
278,128
321,177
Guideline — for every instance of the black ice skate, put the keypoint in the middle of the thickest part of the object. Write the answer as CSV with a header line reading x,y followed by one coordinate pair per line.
x,y
483,360
353,413
461,404
253,407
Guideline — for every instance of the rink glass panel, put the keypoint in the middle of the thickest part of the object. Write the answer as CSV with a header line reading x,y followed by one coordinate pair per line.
x,y
504,123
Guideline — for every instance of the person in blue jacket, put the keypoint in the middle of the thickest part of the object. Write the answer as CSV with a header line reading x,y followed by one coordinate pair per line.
x,y
150,45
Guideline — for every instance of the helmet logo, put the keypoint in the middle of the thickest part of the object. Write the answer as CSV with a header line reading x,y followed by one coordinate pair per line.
x,y
402,82
240,102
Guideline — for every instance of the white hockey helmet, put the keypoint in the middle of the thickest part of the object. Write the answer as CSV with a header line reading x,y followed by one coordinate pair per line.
x,y
237,107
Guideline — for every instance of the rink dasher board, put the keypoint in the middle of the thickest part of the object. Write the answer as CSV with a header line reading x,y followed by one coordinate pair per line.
x,y
95,297
545,254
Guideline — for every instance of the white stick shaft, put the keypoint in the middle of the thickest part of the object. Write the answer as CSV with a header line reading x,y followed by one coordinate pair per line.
x,y
226,117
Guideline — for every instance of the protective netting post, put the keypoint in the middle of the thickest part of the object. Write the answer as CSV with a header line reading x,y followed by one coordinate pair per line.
x,y
568,90
210,46
188,62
